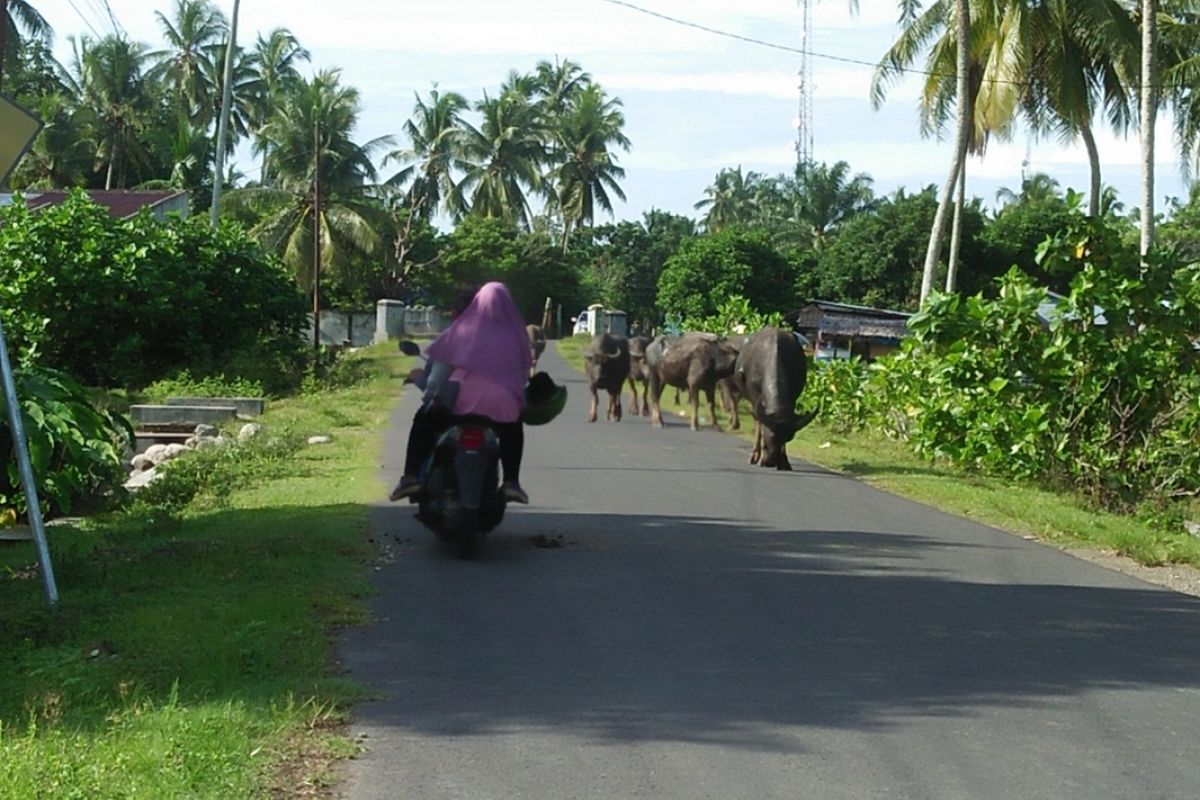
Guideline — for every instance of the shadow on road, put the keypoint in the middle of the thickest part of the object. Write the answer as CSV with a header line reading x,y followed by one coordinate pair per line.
x,y
624,634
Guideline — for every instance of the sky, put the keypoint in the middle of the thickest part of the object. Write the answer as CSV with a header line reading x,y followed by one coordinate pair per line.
x,y
694,102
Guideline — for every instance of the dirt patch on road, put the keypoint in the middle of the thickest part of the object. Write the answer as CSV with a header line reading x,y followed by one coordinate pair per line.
x,y
1181,578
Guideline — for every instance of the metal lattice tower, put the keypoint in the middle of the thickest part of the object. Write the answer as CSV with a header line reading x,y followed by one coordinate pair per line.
x,y
804,117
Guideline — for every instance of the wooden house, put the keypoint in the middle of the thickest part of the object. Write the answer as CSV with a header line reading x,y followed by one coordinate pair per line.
x,y
840,330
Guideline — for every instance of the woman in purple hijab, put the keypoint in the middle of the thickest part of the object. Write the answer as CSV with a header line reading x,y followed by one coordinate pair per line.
x,y
485,351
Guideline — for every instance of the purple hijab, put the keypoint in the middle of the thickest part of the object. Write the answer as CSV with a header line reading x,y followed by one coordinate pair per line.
x,y
488,339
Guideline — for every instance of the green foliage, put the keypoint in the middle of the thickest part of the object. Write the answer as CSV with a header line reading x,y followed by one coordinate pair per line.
x,y
878,256
478,250
709,268
184,384
75,450
1104,399
127,301
626,260
838,389
734,315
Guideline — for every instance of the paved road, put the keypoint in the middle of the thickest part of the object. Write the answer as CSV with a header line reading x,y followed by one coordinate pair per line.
x,y
712,630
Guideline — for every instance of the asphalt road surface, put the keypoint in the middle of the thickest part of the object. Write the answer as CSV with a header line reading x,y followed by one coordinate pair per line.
x,y
710,629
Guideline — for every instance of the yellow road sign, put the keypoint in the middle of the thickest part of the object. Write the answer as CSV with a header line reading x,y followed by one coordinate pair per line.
x,y
17,129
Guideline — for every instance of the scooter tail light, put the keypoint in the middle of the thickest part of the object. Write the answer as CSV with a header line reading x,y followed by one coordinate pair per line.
x,y
470,438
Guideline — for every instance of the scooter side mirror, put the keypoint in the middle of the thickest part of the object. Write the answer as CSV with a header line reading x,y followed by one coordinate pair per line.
x,y
410,348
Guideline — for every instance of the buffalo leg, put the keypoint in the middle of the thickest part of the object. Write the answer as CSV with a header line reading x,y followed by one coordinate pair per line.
x,y
595,404
712,407
694,399
633,395
614,405
656,390
756,451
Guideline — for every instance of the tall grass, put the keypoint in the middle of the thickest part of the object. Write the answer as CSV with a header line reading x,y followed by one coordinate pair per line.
x,y
189,655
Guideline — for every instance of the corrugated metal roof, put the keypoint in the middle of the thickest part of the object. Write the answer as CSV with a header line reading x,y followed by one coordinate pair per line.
x,y
120,204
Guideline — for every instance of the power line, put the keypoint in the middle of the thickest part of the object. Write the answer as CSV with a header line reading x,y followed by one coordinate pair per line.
x,y
101,18
86,21
112,16
806,51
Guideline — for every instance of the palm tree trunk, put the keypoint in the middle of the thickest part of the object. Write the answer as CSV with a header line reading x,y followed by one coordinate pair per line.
x,y
956,231
962,36
1089,141
3,38
1149,106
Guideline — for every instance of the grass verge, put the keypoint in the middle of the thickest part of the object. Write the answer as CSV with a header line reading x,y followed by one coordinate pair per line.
x,y
190,653
1052,517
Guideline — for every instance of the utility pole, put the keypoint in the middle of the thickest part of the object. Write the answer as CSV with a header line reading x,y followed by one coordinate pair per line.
x,y
28,482
223,120
316,212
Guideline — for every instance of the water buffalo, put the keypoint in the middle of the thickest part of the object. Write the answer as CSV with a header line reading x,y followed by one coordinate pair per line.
x,y
606,362
654,353
695,362
537,342
639,370
771,372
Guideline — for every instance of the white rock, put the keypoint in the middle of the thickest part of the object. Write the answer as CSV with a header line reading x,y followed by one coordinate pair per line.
x,y
176,450
248,432
205,430
1191,527
140,462
320,439
191,442
143,478
157,453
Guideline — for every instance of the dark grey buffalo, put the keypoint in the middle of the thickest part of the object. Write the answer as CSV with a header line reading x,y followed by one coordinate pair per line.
x,y
695,361
770,373
606,362
537,342
639,372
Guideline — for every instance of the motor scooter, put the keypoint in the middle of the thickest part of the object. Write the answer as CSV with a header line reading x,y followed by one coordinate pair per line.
x,y
461,500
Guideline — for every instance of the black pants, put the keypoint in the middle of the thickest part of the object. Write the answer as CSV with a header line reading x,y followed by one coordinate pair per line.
x,y
427,425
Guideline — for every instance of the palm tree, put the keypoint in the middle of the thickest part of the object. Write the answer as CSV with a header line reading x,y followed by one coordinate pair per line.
x,y
434,132
15,16
277,58
584,138
730,199
1083,61
247,89
558,85
1149,109
502,158
827,196
187,63
312,125
114,89
1037,188
983,89
64,152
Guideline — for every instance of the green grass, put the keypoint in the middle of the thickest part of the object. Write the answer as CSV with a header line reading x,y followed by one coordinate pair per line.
x,y
190,655
1053,517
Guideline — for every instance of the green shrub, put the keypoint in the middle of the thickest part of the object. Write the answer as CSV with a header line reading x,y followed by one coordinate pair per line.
x,y
1104,399
184,384
210,476
75,450
125,302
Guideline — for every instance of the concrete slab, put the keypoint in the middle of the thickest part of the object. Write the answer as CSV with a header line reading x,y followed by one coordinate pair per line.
x,y
246,406
193,415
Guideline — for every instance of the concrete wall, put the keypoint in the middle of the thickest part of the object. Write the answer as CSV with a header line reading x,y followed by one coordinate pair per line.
x,y
394,320
391,319
340,327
